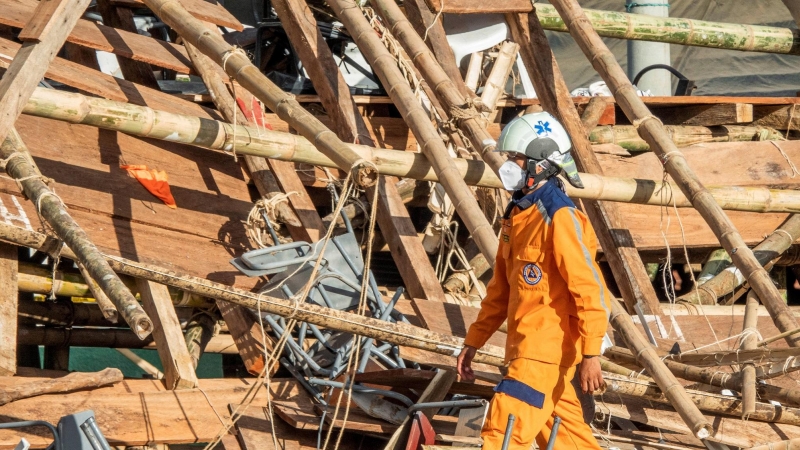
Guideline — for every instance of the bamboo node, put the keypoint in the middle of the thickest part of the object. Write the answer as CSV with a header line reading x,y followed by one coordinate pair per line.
x,y
638,122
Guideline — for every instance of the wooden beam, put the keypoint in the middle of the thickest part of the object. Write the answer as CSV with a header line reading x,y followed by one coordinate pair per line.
x,y
121,18
706,115
614,236
170,344
30,64
334,93
100,37
8,313
42,21
404,244
107,86
209,11
429,26
248,336
395,223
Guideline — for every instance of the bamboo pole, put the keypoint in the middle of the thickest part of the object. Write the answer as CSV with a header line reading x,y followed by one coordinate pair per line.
x,y
236,64
199,332
749,339
712,403
396,333
463,110
769,250
53,211
683,135
205,133
106,305
58,314
646,356
712,376
651,129
431,144
67,383
495,85
673,30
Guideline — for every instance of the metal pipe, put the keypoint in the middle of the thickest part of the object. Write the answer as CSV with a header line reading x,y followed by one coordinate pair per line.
x,y
509,429
472,403
552,441
367,390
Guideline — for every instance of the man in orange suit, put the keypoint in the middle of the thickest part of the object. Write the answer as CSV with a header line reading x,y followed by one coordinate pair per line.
x,y
548,286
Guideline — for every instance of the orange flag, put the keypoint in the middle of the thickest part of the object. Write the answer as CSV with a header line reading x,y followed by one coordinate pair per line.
x,y
155,181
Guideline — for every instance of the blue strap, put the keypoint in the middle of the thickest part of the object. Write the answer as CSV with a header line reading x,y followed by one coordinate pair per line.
x,y
522,392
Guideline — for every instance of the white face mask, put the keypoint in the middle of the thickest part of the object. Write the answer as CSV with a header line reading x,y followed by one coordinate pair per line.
x,y
512,176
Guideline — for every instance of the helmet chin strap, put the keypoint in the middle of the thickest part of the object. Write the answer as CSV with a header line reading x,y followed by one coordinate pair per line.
x,y
533,181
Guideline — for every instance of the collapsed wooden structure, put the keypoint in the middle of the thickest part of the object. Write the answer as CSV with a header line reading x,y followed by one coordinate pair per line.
x,y
695,370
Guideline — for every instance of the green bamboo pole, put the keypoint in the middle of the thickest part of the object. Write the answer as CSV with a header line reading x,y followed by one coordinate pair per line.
x,y
674,30
237,64
626,136
145,122
53,211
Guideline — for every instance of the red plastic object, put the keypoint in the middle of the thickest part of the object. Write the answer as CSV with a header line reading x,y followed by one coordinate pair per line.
x,y
421,432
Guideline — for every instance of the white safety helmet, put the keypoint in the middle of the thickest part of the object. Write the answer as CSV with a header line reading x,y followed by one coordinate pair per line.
x,y
540,137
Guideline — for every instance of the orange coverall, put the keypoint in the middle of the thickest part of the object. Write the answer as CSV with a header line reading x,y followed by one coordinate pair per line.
x,y
549,287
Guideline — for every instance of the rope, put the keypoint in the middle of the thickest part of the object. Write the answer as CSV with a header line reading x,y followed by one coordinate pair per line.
x,y
280,345
435,19
352,360
630,6
639,122
233,50
795,172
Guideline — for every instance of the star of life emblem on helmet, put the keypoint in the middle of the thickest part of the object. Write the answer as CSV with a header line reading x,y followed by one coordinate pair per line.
x,y
542,127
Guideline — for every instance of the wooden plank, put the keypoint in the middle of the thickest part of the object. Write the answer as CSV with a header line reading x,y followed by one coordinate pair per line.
x,y
80,55
42,21
470,421
16,13
451,319
778,117
106,86
303,416
727,430
121,18
141,412
475,6
705,115
209,11
9,269
248,335
405,246
171,347
30,64
301,28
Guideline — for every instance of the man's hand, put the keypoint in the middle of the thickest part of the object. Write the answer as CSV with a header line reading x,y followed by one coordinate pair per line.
x,y
464,364
591,375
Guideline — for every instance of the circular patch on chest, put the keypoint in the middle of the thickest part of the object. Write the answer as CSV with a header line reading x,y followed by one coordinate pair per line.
x,y
531,273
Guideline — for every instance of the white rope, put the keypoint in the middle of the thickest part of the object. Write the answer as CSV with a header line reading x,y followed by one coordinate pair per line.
x,y
795,172
435,19
233,50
